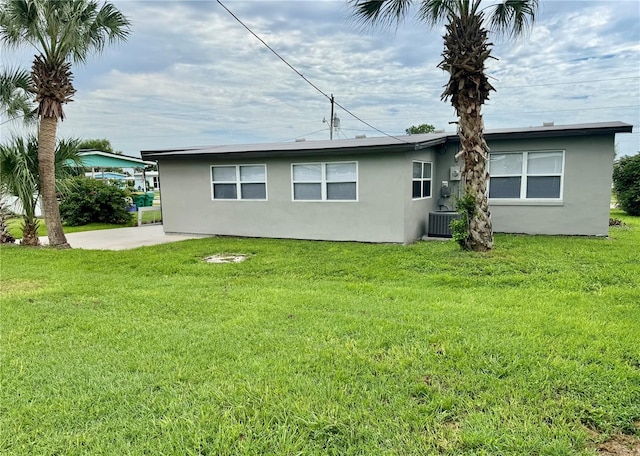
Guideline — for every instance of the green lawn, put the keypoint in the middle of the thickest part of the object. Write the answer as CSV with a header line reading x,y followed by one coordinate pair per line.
x,y
15,225
322,348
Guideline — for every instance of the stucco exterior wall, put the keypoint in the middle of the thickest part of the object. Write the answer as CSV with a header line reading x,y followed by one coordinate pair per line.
x,y
377,215
584,209
385,210
416,211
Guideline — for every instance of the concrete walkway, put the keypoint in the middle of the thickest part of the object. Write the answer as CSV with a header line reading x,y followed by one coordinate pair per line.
x,y
123,238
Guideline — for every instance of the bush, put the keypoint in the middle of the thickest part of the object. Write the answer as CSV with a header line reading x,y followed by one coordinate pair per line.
x,y
626,184
91,200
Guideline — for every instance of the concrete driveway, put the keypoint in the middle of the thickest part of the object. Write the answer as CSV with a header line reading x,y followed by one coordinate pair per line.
x,y
123,238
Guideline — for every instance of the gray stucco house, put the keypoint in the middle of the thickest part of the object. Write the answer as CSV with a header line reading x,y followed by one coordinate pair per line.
x,y
544,180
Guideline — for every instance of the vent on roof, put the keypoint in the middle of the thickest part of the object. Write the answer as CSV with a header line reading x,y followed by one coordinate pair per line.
x,y
300,139
547,124
361,136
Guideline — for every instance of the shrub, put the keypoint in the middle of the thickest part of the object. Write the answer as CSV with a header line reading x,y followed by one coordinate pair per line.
x,y
626,184
460,226
91,200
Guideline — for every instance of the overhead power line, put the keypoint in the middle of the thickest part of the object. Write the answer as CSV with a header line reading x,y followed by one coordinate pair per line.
x,y
303,76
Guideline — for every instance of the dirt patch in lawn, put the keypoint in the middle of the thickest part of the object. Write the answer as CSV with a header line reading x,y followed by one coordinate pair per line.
x,y
221,258
620,445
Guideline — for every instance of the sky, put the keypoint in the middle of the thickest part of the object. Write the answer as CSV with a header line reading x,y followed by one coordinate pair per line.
x,y
191,75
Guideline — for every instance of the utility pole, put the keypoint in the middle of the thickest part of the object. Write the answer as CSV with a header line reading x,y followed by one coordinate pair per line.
x,y
331,120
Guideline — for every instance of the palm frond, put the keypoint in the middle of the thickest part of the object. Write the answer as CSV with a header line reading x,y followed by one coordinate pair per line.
x,y
15,99
380,12
19,171
62,30
512,18
435,12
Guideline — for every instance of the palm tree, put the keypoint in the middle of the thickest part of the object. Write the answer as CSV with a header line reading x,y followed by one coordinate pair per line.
x,y
466,48
15,99
62,32
19,176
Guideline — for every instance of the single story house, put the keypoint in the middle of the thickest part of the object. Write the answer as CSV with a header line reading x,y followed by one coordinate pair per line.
x,y
554,179
147,181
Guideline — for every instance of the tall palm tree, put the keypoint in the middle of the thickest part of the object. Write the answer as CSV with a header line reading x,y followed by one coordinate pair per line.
x,y
15,99
62,32
466,48
19,176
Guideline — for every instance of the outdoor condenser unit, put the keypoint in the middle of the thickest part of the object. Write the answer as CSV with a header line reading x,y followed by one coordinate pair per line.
x,y
439,223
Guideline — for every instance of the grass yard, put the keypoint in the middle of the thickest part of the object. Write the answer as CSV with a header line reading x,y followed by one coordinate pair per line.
x,y
15,224
322,348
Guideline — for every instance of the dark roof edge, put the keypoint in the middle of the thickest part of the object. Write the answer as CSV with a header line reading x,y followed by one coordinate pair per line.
x,y
377,145
360,149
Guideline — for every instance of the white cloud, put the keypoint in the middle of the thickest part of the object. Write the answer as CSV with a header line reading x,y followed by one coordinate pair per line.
x,y
191,75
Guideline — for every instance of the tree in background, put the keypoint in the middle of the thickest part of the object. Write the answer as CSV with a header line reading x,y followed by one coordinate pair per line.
x,y
103,145
626,183
62,32
466,48
19,176
420,129
15,99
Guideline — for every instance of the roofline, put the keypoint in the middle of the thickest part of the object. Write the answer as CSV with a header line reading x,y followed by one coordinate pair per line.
x,y
380,144
83,152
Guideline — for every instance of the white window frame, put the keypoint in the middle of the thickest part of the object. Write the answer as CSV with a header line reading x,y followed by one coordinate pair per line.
x,y
422,180
323,182
524,176
238,183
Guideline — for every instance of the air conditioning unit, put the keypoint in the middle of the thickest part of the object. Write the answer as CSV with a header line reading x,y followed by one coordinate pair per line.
x,y
439,223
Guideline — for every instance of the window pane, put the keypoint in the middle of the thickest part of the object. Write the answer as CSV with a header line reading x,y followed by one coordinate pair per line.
x,y
252,173
224,191
341,191
341,172
501,164
307,192
543,187
426,170
308,173
504,187
544,163
253,191
426,188
417,170
224,173
417,189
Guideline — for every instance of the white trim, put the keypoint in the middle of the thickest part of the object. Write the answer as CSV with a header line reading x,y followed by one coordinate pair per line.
x,y
238,183
323,183
525,202
422,179
524,177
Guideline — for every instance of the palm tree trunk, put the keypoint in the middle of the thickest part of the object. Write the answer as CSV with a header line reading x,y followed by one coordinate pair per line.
x,y
30,232
46,163
466,50
475,151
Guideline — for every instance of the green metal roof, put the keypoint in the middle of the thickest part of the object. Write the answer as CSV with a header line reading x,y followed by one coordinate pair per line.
x,y
97,159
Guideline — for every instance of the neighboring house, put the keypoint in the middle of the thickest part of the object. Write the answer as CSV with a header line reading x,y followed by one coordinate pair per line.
x,y
147,181
108,175
545,180
97,160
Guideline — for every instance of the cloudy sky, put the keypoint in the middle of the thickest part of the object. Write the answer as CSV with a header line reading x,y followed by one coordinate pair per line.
x,y
191,75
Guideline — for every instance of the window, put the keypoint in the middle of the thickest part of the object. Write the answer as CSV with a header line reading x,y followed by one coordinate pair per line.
x,y
239,182
526,175
325,181
421,180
